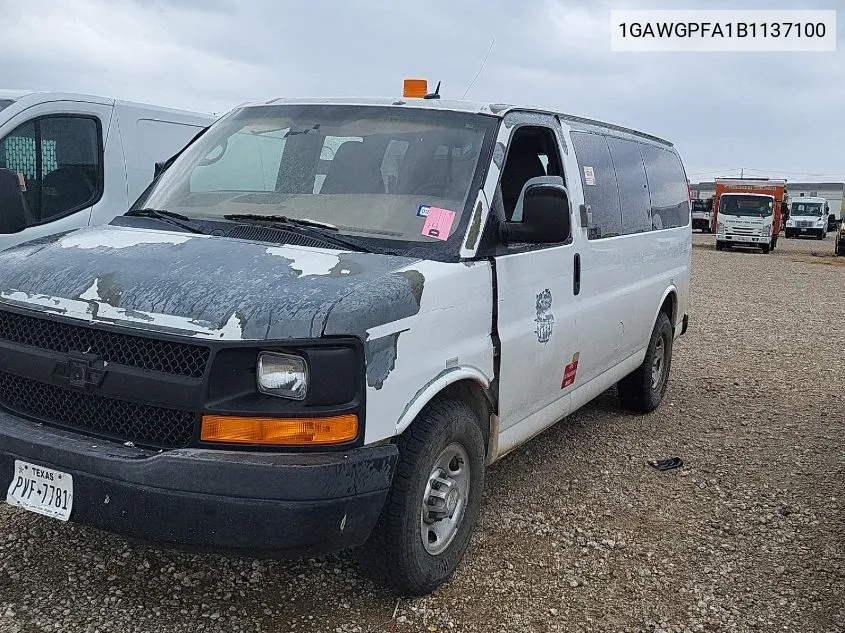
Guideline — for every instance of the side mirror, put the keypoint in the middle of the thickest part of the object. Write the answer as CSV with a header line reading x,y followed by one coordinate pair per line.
x,y
542,214
12,203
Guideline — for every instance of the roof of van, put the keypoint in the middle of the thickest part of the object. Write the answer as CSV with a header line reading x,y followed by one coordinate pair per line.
x,y
474,107
17,95
14,95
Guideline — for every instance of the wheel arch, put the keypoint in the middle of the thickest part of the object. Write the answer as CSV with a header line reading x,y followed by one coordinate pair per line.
x,y
669,306
464,383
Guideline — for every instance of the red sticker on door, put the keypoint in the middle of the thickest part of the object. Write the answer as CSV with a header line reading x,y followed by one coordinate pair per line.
x,y
569,372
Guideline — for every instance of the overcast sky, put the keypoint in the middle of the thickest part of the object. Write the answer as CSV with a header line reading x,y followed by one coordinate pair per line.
x,y
784,113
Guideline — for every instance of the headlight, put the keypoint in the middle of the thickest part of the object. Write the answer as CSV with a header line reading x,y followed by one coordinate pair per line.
x,y
790,222
282,375
820,222
720,228
766,231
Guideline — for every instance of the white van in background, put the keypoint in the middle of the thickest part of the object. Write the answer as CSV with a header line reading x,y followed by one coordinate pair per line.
x,y
82,160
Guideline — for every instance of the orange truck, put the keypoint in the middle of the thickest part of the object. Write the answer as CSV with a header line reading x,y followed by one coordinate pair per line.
x,y
749,212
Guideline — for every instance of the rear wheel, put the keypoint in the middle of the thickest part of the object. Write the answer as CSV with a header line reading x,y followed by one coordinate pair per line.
x,y
426,524
642,390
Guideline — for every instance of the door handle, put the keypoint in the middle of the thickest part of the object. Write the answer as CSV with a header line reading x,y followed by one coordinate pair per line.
x,y
576,275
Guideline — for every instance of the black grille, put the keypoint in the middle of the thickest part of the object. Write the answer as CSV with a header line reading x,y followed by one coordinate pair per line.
x,y
182,359
116,419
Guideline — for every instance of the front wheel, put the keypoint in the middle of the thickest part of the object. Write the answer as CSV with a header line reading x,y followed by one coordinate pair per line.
x,y
427,521
642,390
767,248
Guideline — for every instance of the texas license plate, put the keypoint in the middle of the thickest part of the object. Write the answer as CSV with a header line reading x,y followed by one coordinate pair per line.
x,y
42,490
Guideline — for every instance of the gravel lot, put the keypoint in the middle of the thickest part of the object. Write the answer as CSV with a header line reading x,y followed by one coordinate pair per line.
x,y
578,533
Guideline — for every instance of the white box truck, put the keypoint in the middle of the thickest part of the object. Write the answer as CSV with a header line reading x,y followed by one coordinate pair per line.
x,y
81,160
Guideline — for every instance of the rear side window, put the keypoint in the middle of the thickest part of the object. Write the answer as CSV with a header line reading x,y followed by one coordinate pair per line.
x,y
598,178
59,160
633,186
667,185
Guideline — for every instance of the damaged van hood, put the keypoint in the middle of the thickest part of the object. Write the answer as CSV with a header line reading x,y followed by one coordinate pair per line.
x,y
209,287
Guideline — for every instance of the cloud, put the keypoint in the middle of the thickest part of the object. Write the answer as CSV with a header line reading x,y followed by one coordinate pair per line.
x,y
766,111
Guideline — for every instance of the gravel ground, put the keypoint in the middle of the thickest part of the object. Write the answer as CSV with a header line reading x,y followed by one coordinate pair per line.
x,y
577,534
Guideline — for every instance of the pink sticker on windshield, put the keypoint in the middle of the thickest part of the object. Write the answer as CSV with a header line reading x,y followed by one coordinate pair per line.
x,y
438,223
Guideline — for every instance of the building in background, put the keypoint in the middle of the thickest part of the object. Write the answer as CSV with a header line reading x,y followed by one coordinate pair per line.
x,y
833,192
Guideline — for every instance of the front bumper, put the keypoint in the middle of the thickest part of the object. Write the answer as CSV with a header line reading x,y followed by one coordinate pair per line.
x,y
795,231
745,239
253,503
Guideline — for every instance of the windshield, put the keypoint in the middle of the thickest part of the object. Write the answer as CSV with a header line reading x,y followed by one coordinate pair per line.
x,y
369,171
747,206
701,205
807,208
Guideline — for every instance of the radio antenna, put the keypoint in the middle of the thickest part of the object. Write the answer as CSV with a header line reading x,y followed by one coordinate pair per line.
x,y
483,63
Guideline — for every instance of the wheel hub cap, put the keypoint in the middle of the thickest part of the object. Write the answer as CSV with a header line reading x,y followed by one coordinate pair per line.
x,y
445,499
658,363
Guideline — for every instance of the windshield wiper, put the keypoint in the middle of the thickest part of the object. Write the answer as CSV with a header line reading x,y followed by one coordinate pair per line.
x,y
324,231
176,219
280,219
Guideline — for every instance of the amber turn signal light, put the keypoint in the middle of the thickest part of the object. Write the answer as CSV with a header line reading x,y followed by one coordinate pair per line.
x,y
415,88
336,429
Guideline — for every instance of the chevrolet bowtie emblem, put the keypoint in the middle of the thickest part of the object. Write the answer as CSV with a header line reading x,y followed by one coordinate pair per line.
x,y
84,370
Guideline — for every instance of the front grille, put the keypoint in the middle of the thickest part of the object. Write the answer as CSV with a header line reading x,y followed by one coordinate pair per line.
x,y
142,424
804,224
182,359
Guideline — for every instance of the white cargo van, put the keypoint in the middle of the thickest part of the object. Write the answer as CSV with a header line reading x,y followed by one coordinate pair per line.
x,y
81,160
325,318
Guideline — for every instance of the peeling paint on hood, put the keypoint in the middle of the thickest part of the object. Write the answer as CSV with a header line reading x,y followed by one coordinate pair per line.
x,y
211,287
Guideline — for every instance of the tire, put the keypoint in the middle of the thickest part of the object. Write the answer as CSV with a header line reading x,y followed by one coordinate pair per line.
x,y
774,242
639,391
395,554
720,246
767,248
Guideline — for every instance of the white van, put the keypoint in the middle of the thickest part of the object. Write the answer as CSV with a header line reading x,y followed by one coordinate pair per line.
x,y
82,160
344,312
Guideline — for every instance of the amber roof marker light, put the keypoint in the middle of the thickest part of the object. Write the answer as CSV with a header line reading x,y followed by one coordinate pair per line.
x,y
418,89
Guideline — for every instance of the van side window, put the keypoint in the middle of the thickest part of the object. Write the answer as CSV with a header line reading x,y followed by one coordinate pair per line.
x,y
598,178
59,158
667,185
633,186
533,152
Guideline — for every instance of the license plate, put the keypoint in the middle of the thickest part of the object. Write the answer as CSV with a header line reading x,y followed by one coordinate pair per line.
x,y
42,490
